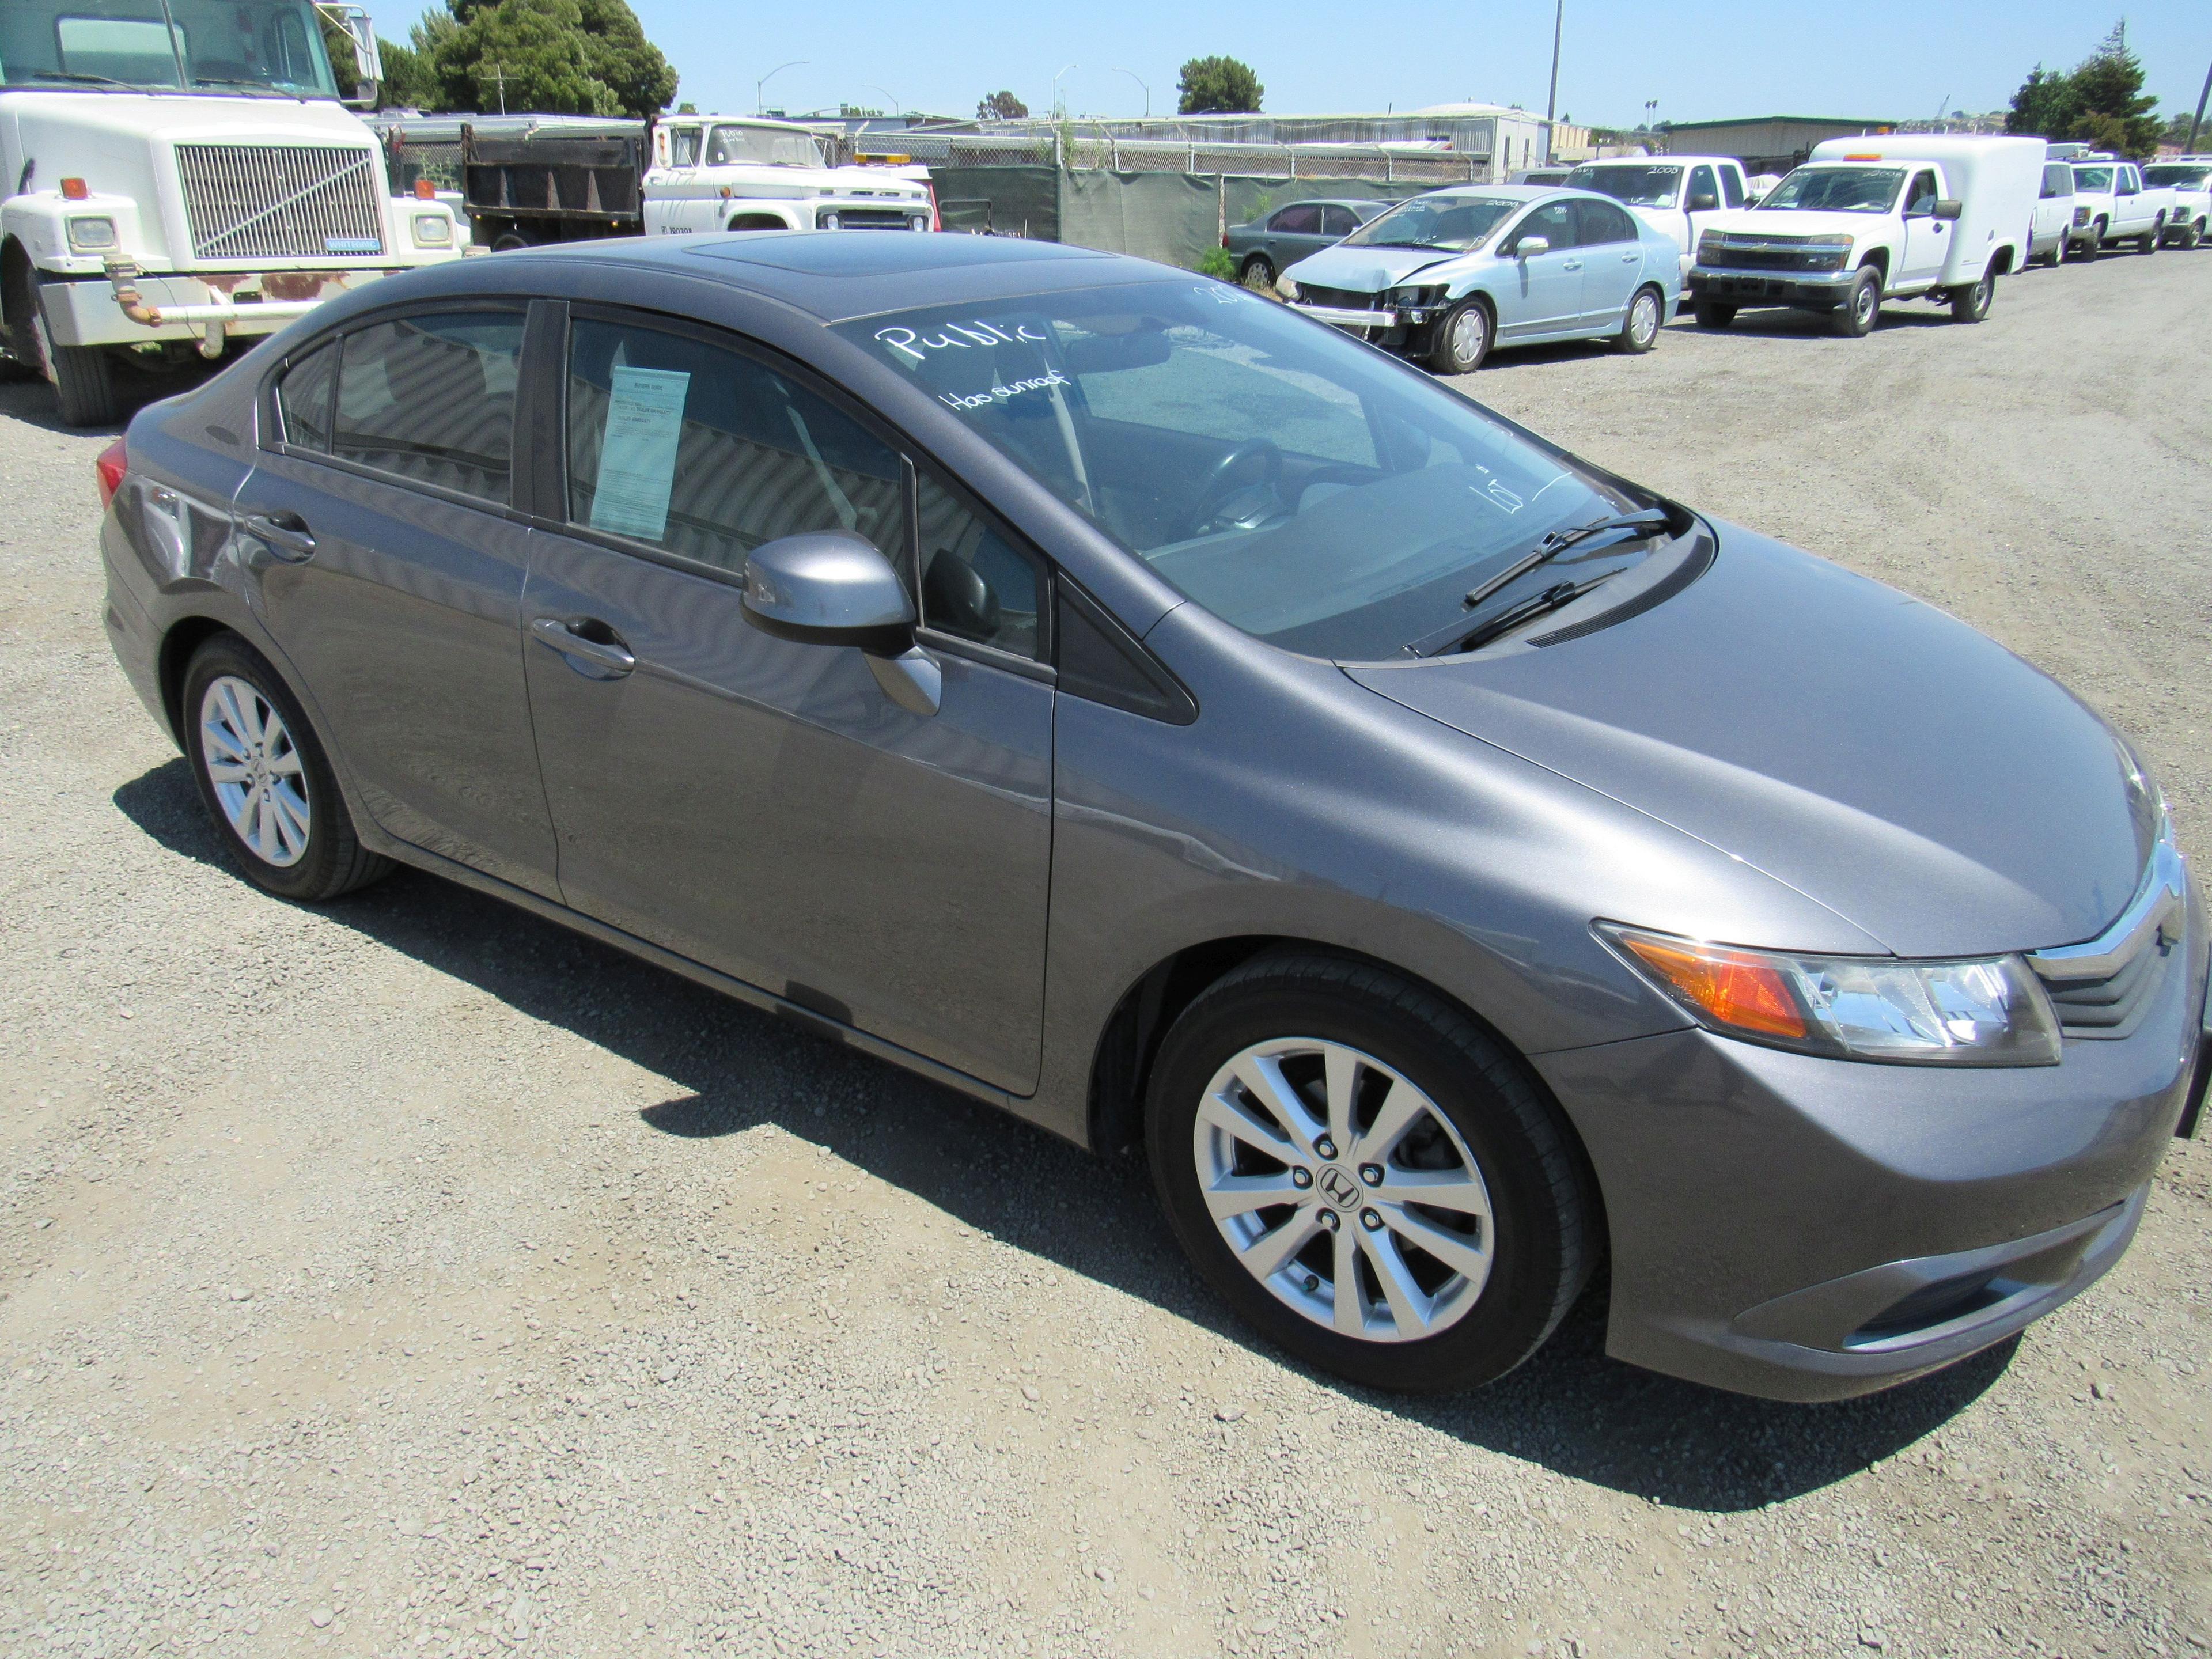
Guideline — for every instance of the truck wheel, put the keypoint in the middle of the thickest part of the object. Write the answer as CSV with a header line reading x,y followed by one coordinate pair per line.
x,y
1855,318
2192,235
84,384
1711,315
2093,244
1971,303
2059,254
2148,241
1640,328
1259,273
1463,338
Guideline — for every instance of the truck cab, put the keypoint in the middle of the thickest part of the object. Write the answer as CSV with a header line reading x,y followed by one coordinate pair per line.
x,y
1677,196
183,175
720,173
2112,205
1868,219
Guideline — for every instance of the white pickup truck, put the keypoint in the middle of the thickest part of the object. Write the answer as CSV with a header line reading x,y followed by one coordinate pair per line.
x,y
716,173
1922,216
2189,178
180,174
1677,196
2112,204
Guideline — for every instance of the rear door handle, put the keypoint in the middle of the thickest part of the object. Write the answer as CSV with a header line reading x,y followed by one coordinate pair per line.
x,y
1572,264
585,639
285,534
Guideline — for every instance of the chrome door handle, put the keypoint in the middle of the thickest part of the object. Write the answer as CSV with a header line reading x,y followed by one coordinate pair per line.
x,y
1630,259
1572,264
609,655
285,534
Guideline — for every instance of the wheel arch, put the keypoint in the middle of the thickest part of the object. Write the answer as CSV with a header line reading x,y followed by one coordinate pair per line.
x,y
1877,259
757,220
1129,1042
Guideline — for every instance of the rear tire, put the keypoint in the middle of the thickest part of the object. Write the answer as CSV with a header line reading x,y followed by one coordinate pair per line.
x,y
1972,303
1712,314
1516,1239
1463,338
1855,318
1639,325
2148,241
267,783
1259,273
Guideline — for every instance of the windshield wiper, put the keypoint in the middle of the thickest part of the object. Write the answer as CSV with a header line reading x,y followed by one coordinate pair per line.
x,y
1557,597
1646,521
94,80
228,81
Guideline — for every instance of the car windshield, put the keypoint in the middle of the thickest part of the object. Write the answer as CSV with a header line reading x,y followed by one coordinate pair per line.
x,y
761,146
1293,482
1837,190
2092,179
268,47
1639,187
1456,223
2190,177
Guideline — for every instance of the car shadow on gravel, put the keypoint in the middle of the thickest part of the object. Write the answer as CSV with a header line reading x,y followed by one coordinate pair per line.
x,y
1571,1408
32,401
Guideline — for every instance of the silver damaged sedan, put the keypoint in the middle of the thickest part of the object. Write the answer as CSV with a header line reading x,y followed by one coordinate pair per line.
x,y
1120,699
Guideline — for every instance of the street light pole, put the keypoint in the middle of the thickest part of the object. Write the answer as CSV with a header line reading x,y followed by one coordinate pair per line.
x,y
1056,110
1551,98
1133,75
897,108
760,97
2198,120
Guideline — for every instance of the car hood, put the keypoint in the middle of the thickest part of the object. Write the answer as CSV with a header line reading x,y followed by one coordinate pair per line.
x,y
1871,751
1372,270
1795,221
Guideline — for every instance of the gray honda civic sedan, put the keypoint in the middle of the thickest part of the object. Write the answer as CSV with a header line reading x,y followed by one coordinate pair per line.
x,y
1120,699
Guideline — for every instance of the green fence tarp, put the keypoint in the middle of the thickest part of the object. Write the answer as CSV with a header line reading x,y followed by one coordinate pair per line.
x,y
1017,201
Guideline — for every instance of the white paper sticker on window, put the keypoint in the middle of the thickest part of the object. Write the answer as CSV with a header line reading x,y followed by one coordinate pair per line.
x,y
637,456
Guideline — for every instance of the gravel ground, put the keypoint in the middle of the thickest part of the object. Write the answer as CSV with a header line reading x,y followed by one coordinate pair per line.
x,y
413,1277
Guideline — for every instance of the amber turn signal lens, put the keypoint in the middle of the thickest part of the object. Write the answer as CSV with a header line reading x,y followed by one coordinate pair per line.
x,y
73,189
425,191
1733,990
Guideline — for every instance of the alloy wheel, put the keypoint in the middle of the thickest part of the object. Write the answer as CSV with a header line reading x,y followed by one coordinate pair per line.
x,y
1644,318
1470,332
258,778
1343,1188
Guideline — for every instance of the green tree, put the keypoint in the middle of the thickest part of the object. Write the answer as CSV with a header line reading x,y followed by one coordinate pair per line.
x,y
549,57
1000,106
1219,86
2044,106
2112,110
409,80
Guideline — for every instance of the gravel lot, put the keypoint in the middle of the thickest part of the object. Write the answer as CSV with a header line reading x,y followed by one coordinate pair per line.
x,y
413,1277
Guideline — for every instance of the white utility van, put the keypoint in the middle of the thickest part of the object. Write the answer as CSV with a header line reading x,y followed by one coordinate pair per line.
x,y
1910,215
1677,196
2050,227
180,176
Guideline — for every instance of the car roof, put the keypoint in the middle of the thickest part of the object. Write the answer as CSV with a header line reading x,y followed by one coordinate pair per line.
x,y
837,276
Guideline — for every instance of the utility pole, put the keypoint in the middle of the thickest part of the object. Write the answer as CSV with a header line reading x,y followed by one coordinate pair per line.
x,y
1551,98
2198,120
499,80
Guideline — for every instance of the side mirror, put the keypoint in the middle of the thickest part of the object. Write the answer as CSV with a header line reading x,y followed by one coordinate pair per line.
x,y
367,59
1529,246
1704,202
1948,207
832,587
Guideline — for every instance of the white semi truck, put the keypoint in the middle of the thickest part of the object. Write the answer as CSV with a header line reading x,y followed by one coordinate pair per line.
x,y
180,174
1913,216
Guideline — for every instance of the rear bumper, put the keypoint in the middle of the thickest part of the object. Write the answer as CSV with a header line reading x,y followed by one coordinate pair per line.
x,y
1808,290
1807,1229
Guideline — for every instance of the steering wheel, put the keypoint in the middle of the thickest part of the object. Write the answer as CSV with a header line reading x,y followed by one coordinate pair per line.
x,y
1225,477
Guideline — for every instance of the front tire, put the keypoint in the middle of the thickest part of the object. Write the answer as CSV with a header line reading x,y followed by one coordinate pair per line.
x,y
1855,318
1365,1174
1639,325
1972,303
2059,254
1258,274
1463,338
2093,244
2148,241
1712,314
266,781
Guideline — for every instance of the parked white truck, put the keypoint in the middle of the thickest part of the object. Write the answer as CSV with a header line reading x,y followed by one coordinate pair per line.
x,y
2112,204
2189,178
717,173
1925,216
1677,196
180,173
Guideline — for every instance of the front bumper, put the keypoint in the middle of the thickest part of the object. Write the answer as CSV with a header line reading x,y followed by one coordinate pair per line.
x,y
1809,1228
1808,290
1344,316
84,311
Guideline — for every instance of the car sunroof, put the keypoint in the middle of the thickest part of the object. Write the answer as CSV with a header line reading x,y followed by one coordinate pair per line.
x,y
878,253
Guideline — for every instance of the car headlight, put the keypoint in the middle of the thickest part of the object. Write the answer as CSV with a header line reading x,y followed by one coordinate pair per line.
x,y
825,222
433,230
1432,294
1989,1011
89,235
919,222
1708,247
1285,288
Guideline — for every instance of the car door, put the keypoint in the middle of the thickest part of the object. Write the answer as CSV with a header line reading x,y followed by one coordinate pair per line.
x,y
1927,239
678,202
1294,233
761,805
1612,263
2129,216
1542,294
2054,206
390,563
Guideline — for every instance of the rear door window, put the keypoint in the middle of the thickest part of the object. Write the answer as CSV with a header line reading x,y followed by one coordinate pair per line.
x,y
1600,223
431,398
706,452
1301,219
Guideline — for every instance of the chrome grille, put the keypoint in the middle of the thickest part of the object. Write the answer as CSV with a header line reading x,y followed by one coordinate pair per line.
x,y
2103,988
2112,1006
282,201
